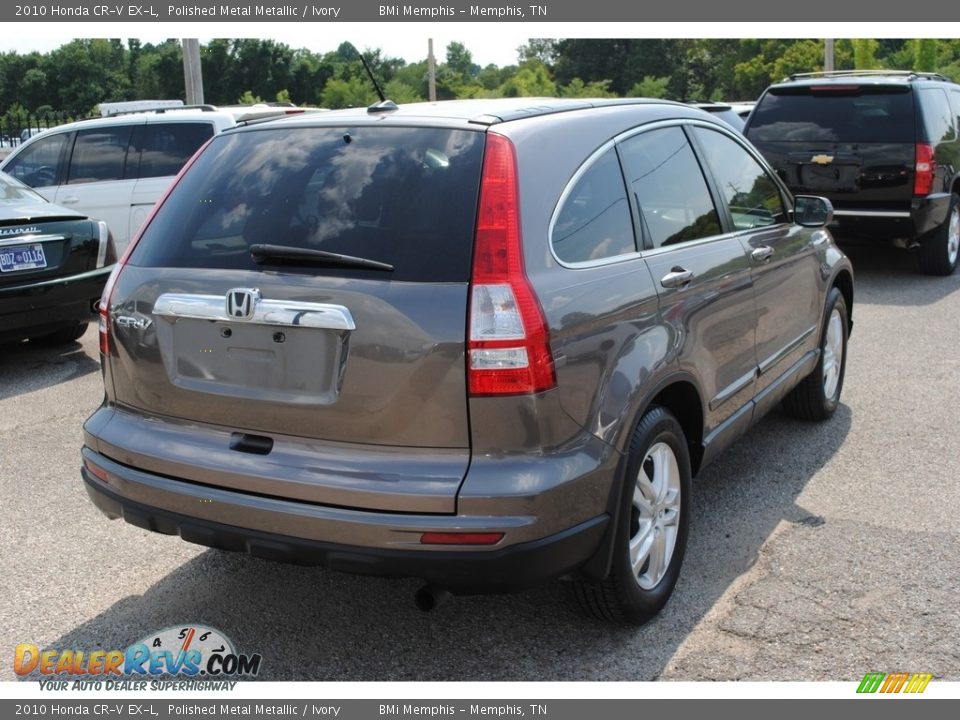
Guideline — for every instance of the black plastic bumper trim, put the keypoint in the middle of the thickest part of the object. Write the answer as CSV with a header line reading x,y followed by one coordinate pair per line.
x,y
505,570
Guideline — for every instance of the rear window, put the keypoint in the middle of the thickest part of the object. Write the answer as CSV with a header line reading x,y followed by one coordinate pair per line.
x,y
855,115
402,196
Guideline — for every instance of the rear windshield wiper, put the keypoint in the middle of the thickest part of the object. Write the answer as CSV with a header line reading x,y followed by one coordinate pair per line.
x,y
265,253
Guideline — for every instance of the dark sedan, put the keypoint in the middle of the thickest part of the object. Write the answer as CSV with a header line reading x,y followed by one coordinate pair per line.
x,y
53,266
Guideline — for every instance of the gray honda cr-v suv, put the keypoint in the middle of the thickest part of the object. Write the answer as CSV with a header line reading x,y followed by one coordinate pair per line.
x,y
482,343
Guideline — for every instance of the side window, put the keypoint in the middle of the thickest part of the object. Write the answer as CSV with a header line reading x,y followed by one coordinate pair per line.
x,y
165,147
937,116
99,154
955,106
751,195
37,165
594,220
669,188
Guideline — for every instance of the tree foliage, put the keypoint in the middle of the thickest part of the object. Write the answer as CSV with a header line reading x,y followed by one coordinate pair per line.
x,y
80,74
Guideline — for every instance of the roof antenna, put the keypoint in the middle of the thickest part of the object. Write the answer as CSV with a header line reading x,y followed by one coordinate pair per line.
x,y
384,105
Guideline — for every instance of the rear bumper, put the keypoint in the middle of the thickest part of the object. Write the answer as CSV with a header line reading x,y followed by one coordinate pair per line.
x,y
363,542
37,308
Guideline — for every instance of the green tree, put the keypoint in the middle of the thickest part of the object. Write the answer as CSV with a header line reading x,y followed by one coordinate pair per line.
x,y
925,55
248,98
354,92
579,89
865,53
531,80
650,87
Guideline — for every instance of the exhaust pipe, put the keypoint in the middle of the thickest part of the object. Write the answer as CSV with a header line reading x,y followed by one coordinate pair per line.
x,y
429,597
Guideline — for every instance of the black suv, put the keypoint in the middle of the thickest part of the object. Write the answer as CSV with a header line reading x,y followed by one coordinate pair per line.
x,y
881,145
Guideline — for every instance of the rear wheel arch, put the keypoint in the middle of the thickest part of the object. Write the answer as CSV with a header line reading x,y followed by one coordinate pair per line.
x,y
844,283
684,402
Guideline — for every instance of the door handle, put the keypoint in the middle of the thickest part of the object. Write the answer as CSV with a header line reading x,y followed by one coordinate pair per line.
x,y
73,200
678,277
762,253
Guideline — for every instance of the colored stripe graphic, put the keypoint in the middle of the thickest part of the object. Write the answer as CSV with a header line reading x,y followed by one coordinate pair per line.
x,y
894,683
918,682
871,682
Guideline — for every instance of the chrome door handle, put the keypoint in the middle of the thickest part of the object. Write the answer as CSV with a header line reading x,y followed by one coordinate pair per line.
x,y
762,253
678,277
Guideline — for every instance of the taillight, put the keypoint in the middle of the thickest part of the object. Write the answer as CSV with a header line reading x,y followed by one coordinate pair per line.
x,y
104,310
112,280
508,343
924,171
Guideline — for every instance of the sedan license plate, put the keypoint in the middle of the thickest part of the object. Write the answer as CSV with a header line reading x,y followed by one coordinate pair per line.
x,y
22,257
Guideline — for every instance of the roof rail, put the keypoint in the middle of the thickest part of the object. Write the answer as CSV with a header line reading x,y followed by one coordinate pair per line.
x,y
908,74
161,110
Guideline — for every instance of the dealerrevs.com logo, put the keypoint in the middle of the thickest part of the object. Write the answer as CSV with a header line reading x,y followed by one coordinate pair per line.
x,y
182,657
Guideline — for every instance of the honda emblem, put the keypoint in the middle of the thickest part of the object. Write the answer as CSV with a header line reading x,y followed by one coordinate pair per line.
x,y
242,302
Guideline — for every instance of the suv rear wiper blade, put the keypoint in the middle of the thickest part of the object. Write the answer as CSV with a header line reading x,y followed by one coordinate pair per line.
x,y
265,253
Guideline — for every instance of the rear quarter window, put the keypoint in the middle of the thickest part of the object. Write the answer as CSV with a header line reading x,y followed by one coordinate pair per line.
x,y
402,196
593,221
937,116
860,115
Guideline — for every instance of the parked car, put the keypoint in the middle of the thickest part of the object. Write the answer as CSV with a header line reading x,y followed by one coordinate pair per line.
x,y
483,343
881,145
743,109
53,266
115,168
724,111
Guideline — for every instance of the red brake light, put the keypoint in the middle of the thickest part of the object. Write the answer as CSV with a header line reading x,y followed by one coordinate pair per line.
x,y
834,88
508,343
925,170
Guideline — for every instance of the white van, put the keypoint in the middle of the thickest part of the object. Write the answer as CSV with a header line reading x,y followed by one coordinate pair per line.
x,y
116,168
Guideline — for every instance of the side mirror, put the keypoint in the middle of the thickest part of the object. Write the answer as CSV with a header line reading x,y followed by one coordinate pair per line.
x,y
812,211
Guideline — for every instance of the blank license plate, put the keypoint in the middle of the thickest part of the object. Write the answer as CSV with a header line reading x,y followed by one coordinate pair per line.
x,y
22,257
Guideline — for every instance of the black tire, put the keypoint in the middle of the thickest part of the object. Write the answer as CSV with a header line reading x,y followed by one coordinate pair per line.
x,y
634,597
939,248
814,398
63,336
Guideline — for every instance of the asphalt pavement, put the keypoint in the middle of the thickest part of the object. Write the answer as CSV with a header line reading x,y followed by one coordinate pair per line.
x,y
817,551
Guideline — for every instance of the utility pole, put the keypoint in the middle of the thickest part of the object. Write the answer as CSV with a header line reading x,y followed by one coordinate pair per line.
x,y
431,72
192,79
828,54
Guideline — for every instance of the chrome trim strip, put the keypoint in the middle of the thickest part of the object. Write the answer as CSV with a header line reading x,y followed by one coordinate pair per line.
x,y
786,375
786,350
871,213
30,239
732,389
290,313
104,241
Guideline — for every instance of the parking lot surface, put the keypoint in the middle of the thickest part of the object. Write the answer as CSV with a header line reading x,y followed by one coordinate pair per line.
x,y
817,551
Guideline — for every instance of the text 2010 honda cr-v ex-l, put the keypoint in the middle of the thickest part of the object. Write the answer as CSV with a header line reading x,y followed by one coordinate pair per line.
x,y
481,343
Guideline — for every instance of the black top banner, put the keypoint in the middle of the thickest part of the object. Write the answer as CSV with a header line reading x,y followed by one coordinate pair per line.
x,y
734,12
